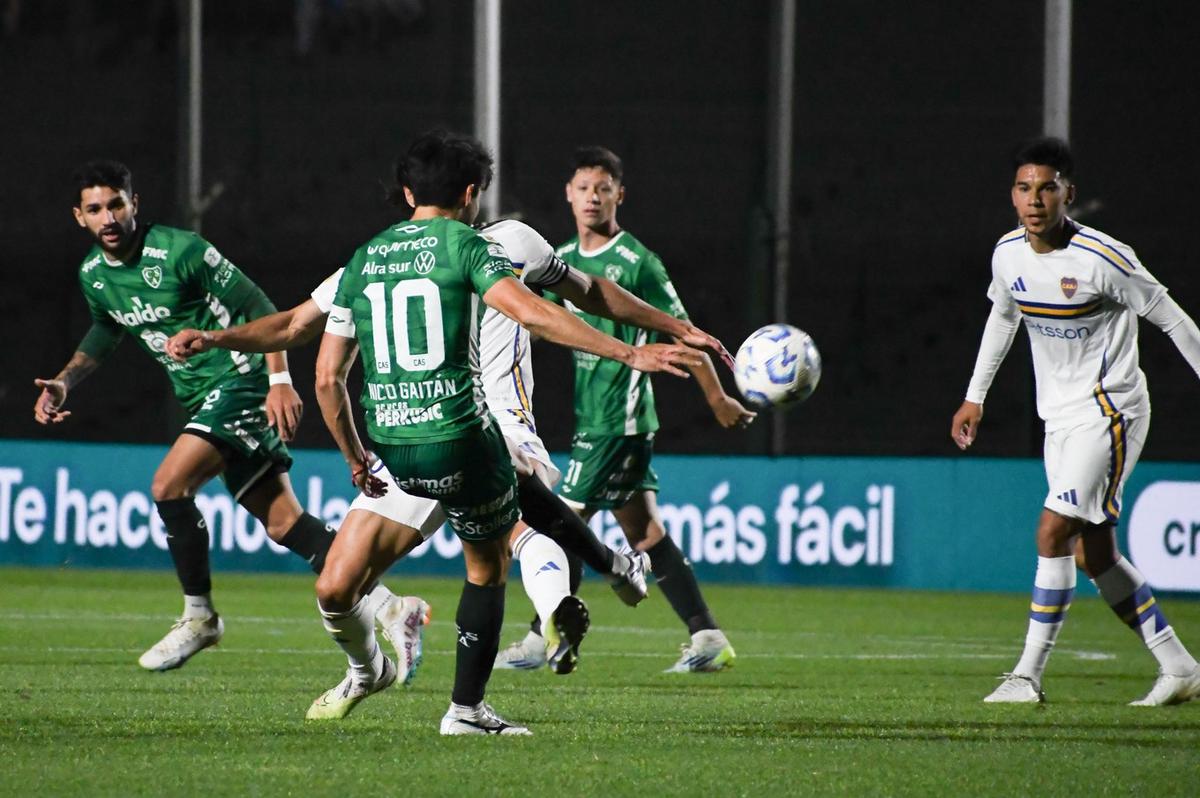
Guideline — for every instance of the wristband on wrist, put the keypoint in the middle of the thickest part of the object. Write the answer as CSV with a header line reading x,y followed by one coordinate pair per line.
x,y
280,378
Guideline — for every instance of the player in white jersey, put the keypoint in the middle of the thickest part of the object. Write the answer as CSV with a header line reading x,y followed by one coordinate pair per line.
x,y
384,529
1079,293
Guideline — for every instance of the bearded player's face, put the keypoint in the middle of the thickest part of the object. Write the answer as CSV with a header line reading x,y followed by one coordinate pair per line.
x,y
108,214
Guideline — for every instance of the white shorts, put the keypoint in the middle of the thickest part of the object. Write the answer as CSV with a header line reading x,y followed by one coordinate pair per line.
x,y
1087,466
529,456
422,514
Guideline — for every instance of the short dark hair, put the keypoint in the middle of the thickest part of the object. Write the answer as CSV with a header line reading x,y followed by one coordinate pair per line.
x,y
594,156
439,166
1046,151
112,174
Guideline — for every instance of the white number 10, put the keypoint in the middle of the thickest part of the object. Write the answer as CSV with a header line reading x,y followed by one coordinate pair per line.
x,y
424,289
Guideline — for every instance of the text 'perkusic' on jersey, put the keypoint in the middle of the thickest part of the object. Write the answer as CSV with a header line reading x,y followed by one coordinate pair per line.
x,y
1080,305
505,360
610,397
178,280
411,298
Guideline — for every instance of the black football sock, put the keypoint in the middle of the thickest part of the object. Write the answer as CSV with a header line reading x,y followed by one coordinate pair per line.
x,y
187,540
574,572
674,576
310,538
480,616
550,515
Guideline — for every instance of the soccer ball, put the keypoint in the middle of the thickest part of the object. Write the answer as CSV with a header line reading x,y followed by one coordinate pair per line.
x,y
777,366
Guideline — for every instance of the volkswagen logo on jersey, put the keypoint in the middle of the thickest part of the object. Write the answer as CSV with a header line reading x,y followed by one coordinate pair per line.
x,y
152,275
425,262
1069,286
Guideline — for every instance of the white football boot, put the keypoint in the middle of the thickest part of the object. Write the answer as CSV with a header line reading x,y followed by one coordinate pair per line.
x,y
1016,689
403,619
479,719
187,637
1171,689
528,654
630,586
336,703
709,651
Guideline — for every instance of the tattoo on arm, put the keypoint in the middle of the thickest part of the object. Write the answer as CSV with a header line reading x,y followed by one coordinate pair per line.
x,y
79,366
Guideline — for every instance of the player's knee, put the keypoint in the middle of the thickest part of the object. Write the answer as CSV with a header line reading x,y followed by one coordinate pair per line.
x,y
165,488
279,524
335,591
488,567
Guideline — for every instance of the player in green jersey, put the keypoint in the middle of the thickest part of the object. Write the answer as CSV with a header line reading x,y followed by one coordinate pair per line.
x,y
410,298
151,281
615,420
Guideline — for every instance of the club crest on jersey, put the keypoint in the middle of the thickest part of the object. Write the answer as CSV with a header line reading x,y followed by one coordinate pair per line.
x,y
424,262
613,272
152,275
1069,286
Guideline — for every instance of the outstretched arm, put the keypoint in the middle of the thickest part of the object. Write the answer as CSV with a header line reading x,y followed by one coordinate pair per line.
x,y
998,336
276,332
555,324
728,411
602,297
1171,319
99,342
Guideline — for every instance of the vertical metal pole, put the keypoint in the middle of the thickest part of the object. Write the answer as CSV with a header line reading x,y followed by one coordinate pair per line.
x,y
487,93
188,195
195,85
1056,80
782,79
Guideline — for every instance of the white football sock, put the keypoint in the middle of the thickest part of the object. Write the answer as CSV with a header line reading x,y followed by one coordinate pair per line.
x,y
1126,591
198,606
620,566
1053,589
544,572
376,597
354,632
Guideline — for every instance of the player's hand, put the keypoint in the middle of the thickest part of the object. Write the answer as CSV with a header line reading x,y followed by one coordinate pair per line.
x,y
671,358
695,337
186,343
48,407
284,409
966,424
731,413
362,476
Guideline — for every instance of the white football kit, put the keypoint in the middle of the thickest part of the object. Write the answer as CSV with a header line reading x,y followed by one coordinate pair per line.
x,y
1080,305
507,372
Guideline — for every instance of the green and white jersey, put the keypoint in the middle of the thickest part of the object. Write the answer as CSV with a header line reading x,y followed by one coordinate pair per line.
x,y
610,397
411,298
178,280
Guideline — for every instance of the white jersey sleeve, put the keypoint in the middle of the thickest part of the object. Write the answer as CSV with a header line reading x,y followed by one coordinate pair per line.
x,y
1127,282
998,333
532,256
324,293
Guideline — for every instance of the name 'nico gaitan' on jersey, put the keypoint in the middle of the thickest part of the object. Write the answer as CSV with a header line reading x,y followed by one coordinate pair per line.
x,y
411,298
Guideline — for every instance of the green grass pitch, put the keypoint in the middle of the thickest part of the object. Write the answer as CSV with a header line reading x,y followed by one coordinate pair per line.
x,y
835,692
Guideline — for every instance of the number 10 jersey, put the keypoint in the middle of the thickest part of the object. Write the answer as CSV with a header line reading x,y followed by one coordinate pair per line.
x,y
411,298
